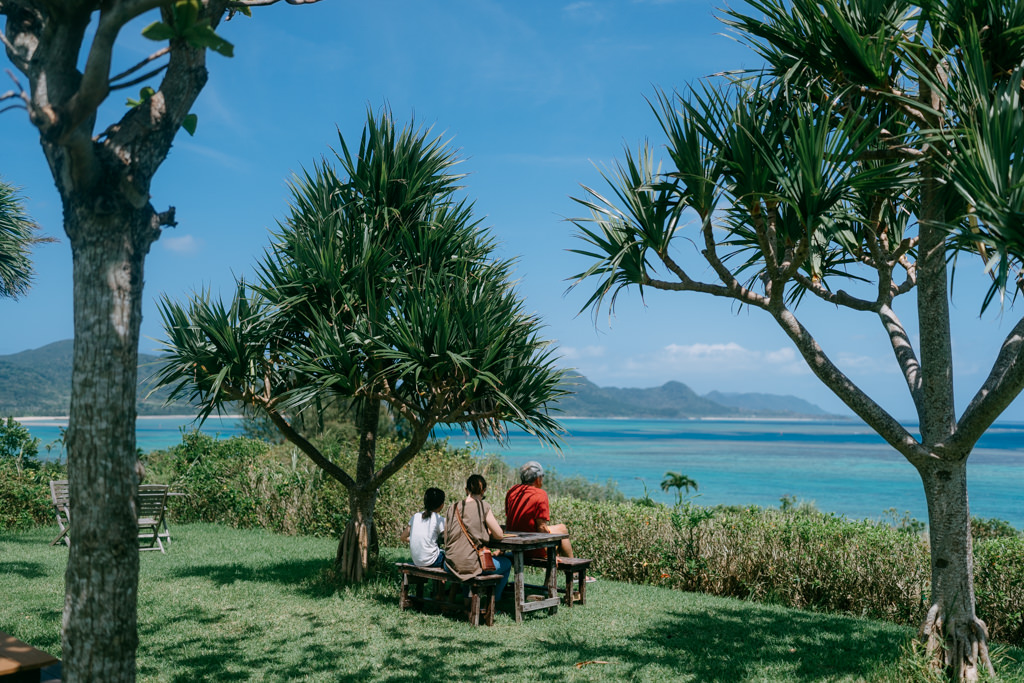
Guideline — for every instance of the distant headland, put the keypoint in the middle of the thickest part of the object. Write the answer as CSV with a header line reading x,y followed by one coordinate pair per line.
x,y
38,382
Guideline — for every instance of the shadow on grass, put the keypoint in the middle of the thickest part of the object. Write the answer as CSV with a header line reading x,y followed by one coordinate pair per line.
x,y
725,644
26,570
295,573
229,657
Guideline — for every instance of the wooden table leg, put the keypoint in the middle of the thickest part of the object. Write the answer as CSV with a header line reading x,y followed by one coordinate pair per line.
x,y
551,577
474,605
517,567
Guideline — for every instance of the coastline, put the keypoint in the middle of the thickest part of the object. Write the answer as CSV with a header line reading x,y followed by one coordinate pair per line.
x,y
62,420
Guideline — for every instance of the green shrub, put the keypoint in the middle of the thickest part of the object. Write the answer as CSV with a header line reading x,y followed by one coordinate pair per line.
x,y
983,528
248,483
25,495
17,445
999,587
797,557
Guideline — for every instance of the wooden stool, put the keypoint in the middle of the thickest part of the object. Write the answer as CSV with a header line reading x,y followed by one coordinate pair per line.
x,y
575,568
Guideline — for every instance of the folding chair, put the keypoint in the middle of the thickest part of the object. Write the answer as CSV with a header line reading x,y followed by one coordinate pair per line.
x,y
62,508
165,534
151,506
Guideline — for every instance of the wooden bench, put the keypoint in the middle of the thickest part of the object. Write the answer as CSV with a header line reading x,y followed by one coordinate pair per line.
x,y
481,592
21,663
572,567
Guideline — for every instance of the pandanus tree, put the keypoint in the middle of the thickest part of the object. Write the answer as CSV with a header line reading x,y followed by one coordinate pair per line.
x,y
17,235
881,140
380,288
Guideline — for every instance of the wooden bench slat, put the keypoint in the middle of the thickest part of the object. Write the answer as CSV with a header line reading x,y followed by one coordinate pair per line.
x,y
17,656
413,575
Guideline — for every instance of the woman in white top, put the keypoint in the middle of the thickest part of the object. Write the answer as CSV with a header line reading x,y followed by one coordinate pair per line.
x,y
424,529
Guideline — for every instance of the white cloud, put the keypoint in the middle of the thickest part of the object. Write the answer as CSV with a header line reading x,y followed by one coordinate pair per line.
x,y
228,161
585,11
181,244
573,353
704,358
863,365
713,365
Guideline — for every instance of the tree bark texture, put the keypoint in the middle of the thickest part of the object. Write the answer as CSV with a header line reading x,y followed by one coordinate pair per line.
x,y
108,250
953,633
359,542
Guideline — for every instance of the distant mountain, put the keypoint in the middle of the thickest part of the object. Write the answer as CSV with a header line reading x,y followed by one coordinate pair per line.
x,y
678,401
767,402
38,382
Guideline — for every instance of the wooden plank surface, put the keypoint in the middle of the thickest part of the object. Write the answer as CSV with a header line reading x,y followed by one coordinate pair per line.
x,y
18,656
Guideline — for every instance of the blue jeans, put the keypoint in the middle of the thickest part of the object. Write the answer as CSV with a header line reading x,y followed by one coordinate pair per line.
x,y
439,562
502,565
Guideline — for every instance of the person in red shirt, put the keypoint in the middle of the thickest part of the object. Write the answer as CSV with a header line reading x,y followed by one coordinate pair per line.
x,y
527,507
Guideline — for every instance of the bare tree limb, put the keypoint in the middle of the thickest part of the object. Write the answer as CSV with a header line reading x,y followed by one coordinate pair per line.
x,y
135,81
94,87
906,358
838,298
894,153
309,449
128,72
1003,385
266,3
849,393
408,452
731,289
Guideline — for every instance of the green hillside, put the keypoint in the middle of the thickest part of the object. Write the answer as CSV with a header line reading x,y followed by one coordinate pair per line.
x,y
38,382
675,400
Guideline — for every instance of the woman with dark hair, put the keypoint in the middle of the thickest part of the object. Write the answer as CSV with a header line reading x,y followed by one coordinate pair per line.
x,y
424,529
480,525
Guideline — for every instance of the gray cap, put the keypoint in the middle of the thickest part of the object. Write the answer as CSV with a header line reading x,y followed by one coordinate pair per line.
x,y
530,471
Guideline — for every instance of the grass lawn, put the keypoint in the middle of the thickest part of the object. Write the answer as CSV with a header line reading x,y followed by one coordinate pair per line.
x,y
226,604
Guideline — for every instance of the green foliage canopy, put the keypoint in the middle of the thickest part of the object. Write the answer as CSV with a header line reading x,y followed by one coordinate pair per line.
x,y
380,286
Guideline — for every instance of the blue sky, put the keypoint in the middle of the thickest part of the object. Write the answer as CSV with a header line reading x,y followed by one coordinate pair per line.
x,y
535,94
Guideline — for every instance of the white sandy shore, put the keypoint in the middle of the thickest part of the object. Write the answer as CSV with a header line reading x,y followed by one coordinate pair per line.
x,y
60,420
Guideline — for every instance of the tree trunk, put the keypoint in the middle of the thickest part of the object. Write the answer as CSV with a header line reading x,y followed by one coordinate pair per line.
x,y
957,641
99,623
359,542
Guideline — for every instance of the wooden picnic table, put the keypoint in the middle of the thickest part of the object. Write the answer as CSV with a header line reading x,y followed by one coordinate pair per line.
x,y
20,661
518,543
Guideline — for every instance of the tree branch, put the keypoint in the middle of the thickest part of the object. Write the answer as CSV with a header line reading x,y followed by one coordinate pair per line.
x,y
1004,383
135,81
128,72
20,94
904,351
236,4
94,86
839,298
309,449
403,456
849,393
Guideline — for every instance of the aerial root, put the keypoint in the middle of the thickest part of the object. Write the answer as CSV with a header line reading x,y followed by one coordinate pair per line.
x,y
959,647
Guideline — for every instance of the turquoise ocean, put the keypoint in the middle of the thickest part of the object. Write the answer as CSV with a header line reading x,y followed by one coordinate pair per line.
x,y
842,466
